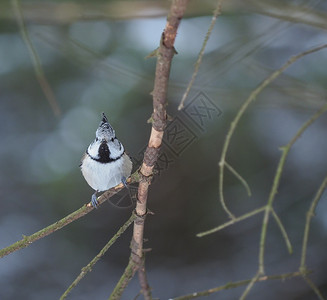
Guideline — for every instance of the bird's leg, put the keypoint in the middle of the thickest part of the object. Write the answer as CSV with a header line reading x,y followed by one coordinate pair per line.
x,y
94,199
123,180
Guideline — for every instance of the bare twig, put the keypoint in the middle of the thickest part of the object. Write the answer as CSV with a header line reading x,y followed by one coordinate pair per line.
x,y
283,231
250,285
216,13
164,55
222,162
89,267
290,12
310,215
68,12
124,279
231,285
273,192
231,222
85,209
313,287
234,123
47,90
239,177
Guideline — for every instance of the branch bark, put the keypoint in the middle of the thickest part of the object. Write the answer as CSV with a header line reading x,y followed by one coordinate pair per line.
x,y
235,284
85,209
145,288
91,264
164,54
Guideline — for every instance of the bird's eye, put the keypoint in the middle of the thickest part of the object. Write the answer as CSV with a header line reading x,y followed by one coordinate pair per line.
x,y
96,139
112,139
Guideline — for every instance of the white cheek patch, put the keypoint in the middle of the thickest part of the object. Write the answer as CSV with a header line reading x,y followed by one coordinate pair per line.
x,y
116,149
93,149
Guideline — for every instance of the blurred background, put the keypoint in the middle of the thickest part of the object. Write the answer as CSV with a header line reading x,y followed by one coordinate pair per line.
x,y
93,56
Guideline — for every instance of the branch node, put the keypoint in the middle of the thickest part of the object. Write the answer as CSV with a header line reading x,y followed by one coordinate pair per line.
x,y
139,220
146,174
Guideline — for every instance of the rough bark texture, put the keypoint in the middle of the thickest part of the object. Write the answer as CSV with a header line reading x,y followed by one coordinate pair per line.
x,y
164,55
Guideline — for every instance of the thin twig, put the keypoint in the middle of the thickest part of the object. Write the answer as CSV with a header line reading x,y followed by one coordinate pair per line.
x,y
90,265
124,279
231,222
283,231
85,209
240,113
235,284
61,13
250,285
274,189
216,13
239,177
47,90
314,287
280,167
310,215
165,54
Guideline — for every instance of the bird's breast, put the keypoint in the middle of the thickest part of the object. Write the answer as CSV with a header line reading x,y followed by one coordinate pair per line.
x,y
103,176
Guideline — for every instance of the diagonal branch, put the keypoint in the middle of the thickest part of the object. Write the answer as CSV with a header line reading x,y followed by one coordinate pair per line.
x,y
44,84
235,284
239,177
310,215
216,13
85,209
231,222
313,287
283,231
91,264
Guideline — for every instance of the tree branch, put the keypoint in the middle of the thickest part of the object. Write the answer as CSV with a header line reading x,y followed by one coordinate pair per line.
x,y
145,288
90,265
124,280
68,12
273,192
235,284
85,209
38,70
164,54
243,108
310,215
231,222
276,181
216,13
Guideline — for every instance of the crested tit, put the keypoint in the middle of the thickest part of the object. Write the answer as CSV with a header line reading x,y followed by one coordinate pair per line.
x,y
105,163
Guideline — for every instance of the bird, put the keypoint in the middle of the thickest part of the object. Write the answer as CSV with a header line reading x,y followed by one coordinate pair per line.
x,y
105,163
